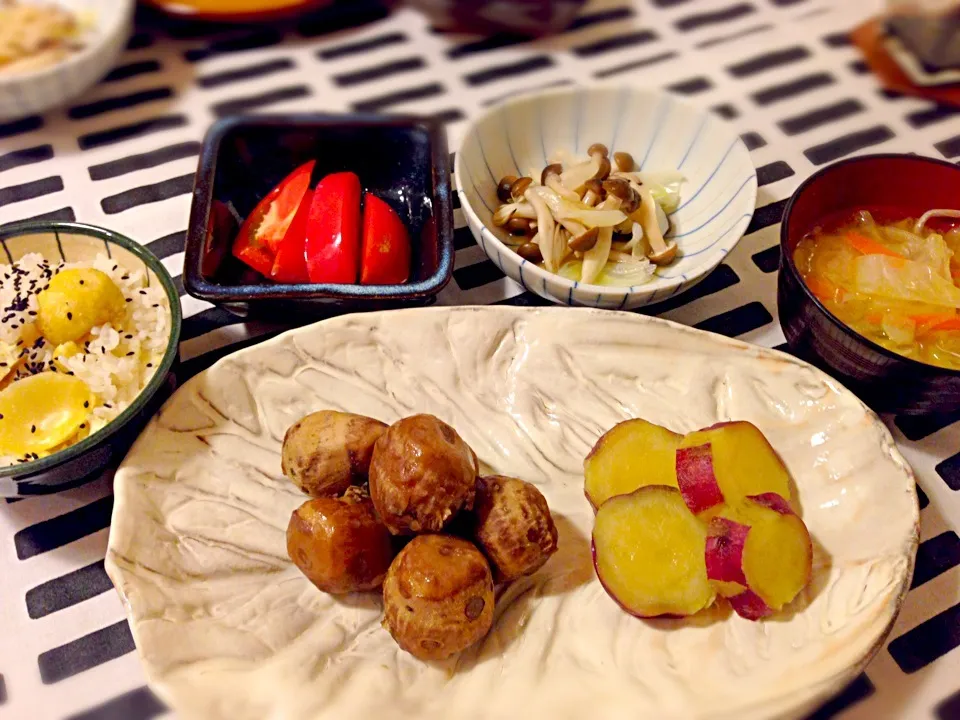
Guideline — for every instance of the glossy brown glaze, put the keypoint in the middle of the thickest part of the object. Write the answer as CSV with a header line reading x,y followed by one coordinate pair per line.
x,y
339,543
421,475
326,452
438,597
514,526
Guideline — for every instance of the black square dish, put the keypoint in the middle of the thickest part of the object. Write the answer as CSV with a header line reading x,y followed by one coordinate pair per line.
x,y
403,160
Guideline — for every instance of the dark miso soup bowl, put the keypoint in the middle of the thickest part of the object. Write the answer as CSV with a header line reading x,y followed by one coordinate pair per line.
x,y
886,381
403,160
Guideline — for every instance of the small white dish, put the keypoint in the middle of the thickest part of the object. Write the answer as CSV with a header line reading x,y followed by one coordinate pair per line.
x,y
662,132
228,627
36,92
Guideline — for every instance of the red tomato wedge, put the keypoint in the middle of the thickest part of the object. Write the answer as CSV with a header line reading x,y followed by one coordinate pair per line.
x,y
333,230
386,244
290,263
265,227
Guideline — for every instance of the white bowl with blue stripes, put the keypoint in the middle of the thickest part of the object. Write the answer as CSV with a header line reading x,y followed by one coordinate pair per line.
x,y
661,131
36,92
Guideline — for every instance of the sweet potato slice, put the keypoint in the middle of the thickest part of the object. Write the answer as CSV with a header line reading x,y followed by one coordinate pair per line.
x,y
648,550
761,557
726,463
631,455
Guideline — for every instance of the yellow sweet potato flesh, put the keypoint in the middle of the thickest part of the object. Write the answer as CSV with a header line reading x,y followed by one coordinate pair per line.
x,y
777,555
632,455
649,554
743,464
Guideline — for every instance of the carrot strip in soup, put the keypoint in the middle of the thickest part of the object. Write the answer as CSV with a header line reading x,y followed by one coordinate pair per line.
x,y
821,288
870,247
952,324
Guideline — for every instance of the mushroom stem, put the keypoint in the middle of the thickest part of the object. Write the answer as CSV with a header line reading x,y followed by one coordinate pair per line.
x,y
546,230
593,193
661,252
550,177
596,257
508,211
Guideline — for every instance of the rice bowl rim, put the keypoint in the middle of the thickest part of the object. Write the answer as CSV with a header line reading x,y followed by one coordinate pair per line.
x,y
153,263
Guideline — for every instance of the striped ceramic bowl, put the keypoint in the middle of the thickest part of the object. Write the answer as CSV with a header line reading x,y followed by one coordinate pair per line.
x,y
661,132
110,25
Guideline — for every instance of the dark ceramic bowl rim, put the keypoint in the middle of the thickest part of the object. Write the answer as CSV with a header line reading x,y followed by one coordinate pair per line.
x,y
159,377
442,201
787,258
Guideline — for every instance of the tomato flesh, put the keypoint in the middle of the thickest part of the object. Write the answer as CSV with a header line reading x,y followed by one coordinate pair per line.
x,y
265,227
290,263
333,230
386,244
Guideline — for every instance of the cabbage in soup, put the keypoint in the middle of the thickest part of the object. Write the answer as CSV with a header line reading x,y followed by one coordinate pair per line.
x,y
897,283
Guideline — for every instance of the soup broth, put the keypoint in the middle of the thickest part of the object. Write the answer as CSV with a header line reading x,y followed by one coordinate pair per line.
x,y
892,278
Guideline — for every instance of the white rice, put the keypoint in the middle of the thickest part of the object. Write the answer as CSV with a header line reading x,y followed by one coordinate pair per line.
x,y
116,360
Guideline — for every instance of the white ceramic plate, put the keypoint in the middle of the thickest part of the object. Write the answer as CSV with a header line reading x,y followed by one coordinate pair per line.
x,y
228,628
661,131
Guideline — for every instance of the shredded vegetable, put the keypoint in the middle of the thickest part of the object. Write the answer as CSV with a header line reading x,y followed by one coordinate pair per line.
x,y
896,284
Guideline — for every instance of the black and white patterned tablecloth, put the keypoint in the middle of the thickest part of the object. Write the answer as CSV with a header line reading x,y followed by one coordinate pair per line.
x,y
781,70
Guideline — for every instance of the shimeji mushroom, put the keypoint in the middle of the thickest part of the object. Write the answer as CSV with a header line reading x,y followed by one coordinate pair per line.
x,y
595,259
621,189
503,188
592,192
596,168
505,214
550,247
519,226
623,161
530,252
516,208
550,177
661,252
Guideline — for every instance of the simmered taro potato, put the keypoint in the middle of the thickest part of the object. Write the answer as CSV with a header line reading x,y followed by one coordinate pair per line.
x,y
514,527
421,475
327,451
339,543
438,597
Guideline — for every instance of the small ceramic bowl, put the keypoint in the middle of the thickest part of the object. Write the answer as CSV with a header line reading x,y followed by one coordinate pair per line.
x,y
402,159
75,242
36,92
883,379
660,131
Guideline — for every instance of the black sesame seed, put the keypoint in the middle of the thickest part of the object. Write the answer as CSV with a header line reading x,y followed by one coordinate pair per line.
x,y
108,406
33,428
69,316
81,282
131,353
128,337
124,277
82,425
156,305
143,292
149,364
129,299
86,403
